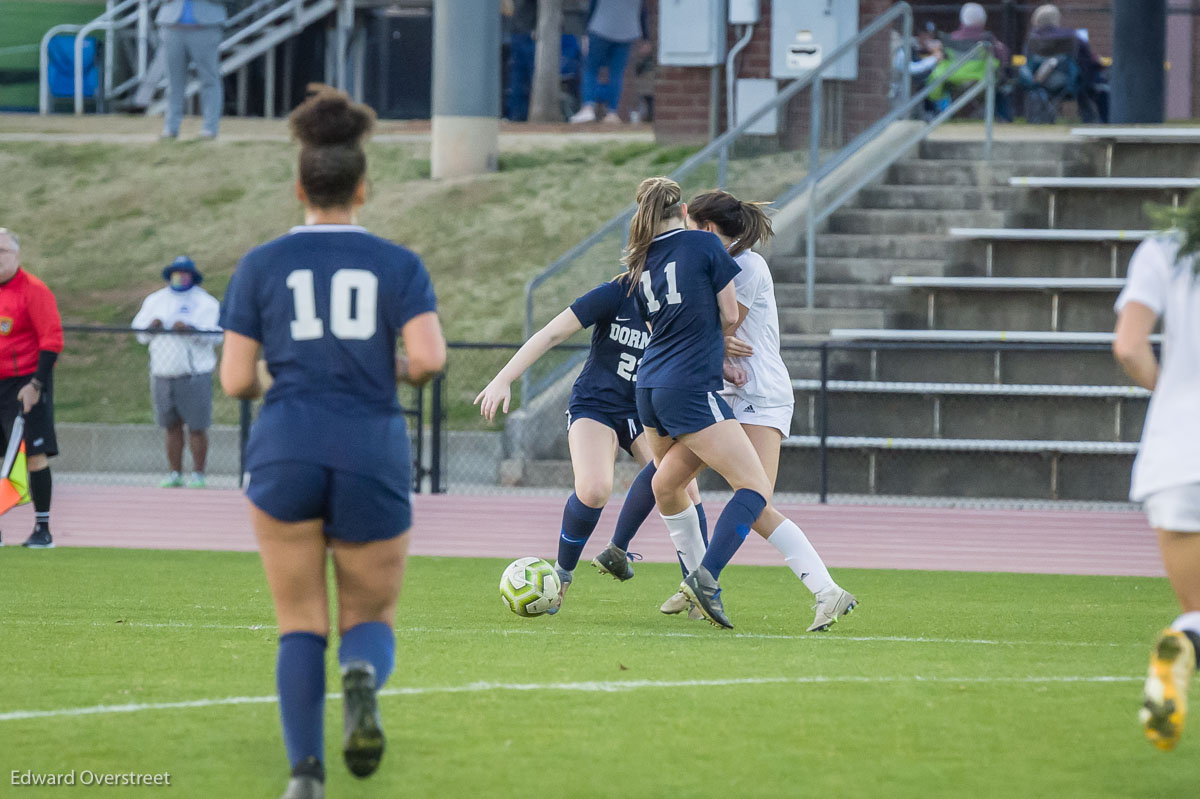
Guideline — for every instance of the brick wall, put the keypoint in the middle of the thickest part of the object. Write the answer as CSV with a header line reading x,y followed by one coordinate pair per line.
x,y
682,104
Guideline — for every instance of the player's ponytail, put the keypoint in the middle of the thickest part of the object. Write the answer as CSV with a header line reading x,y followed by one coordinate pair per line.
x,y
746,223
658,200
331,128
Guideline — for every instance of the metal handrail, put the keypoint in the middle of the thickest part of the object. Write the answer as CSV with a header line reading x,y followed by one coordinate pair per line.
x,y
109,21
719,147
812,181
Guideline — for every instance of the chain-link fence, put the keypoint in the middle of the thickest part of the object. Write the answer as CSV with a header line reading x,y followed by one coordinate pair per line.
x,y
909,421
904,421
116,391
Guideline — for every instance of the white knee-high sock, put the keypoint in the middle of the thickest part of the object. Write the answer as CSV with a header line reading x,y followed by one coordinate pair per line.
x,y
1188,622
685,535
800,556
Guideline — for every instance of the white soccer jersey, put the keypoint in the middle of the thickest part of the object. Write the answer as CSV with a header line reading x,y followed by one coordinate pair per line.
x,y
769,384
1169,453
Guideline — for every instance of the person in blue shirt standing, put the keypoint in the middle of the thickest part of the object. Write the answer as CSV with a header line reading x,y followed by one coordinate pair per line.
x,y
601,415
328,456
685,286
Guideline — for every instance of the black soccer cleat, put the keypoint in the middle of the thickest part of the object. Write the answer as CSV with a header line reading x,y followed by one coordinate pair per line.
x,y
40,538
614,561
362,746
702,588
308,780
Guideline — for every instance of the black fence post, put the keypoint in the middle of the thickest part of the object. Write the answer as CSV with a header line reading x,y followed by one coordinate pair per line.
x,y
823,406
243,437
438,411
419,471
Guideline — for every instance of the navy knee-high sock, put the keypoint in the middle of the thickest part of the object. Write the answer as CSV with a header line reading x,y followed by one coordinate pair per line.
x,y
300,681
579,521
639,502
374,642
733,526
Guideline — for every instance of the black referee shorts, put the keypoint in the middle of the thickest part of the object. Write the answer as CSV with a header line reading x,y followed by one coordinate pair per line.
x,y
39,422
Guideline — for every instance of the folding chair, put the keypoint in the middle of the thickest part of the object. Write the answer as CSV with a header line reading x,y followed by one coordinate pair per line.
x,y
60,72
1051,76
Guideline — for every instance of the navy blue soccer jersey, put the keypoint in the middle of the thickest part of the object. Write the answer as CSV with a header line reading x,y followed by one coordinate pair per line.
x,y
618,338
328,302
685,269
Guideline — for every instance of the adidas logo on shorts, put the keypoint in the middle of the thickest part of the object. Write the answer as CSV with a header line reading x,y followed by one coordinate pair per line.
x,y
748,409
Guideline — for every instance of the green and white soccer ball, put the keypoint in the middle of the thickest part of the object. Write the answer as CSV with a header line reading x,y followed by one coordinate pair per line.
x,y
530,587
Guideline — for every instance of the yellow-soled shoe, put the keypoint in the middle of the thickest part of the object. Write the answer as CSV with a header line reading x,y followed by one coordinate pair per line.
x,y
1164,709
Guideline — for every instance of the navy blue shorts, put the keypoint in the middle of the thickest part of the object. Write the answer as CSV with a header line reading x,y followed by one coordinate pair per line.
x,y
353,507
676,412
625,425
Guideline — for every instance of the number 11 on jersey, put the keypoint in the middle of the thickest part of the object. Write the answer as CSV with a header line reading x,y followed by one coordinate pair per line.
x,y
673,295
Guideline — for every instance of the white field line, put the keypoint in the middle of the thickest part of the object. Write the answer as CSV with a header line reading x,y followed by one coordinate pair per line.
x,y
610,686
712,636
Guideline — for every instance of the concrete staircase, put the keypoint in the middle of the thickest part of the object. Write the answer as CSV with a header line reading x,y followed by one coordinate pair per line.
x,y
975,422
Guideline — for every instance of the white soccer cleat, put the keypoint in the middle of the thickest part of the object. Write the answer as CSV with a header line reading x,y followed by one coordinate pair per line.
x,y
678,603
830,607
1164,706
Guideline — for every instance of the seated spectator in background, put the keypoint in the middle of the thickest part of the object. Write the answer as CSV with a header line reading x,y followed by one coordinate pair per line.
x,y
915,66
972,19
181,366
1045,39
613,27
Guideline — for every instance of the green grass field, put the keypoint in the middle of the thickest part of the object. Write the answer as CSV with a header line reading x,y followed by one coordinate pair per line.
x,y
941,685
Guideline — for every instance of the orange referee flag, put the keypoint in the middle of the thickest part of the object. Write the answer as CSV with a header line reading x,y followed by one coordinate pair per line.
x,y
14,475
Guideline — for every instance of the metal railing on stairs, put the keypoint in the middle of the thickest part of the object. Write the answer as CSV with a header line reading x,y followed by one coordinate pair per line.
x,y
254,32
719,150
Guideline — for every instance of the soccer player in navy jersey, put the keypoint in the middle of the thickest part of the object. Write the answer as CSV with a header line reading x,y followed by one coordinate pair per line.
x,y
684,284
601,415
328,457
763,405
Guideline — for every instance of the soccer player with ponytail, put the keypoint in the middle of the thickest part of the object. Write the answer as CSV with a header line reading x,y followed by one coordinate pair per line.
x,y
684,281
328,456
601,416
763,404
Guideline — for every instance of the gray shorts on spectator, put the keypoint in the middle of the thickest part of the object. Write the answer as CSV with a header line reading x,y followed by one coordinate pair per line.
x,y
186,399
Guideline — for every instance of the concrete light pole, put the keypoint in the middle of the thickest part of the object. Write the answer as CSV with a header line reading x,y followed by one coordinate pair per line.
x,y
466,87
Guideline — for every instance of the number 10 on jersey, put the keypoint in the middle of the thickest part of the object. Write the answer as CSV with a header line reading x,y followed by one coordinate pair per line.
x,y
353,297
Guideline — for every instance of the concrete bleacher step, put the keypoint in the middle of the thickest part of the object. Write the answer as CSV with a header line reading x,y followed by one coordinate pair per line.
x,y
894,222
942,413
1084,311
942,198
1084,367
1100,202
868,246
822,320
917,172
842,295
982,473
1041,258
791,269
973,150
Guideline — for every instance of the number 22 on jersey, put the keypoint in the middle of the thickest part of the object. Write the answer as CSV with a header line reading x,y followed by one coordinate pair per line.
x,y
673,295
353,298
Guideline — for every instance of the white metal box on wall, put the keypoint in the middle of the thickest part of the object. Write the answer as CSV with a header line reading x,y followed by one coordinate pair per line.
x,y
691,33
805,32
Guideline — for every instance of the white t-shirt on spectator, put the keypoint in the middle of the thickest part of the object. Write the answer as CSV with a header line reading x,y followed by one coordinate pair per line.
x,y
180,355
1169,453
769,383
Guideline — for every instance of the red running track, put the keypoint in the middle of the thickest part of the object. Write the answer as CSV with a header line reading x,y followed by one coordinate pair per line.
x,y
861,536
